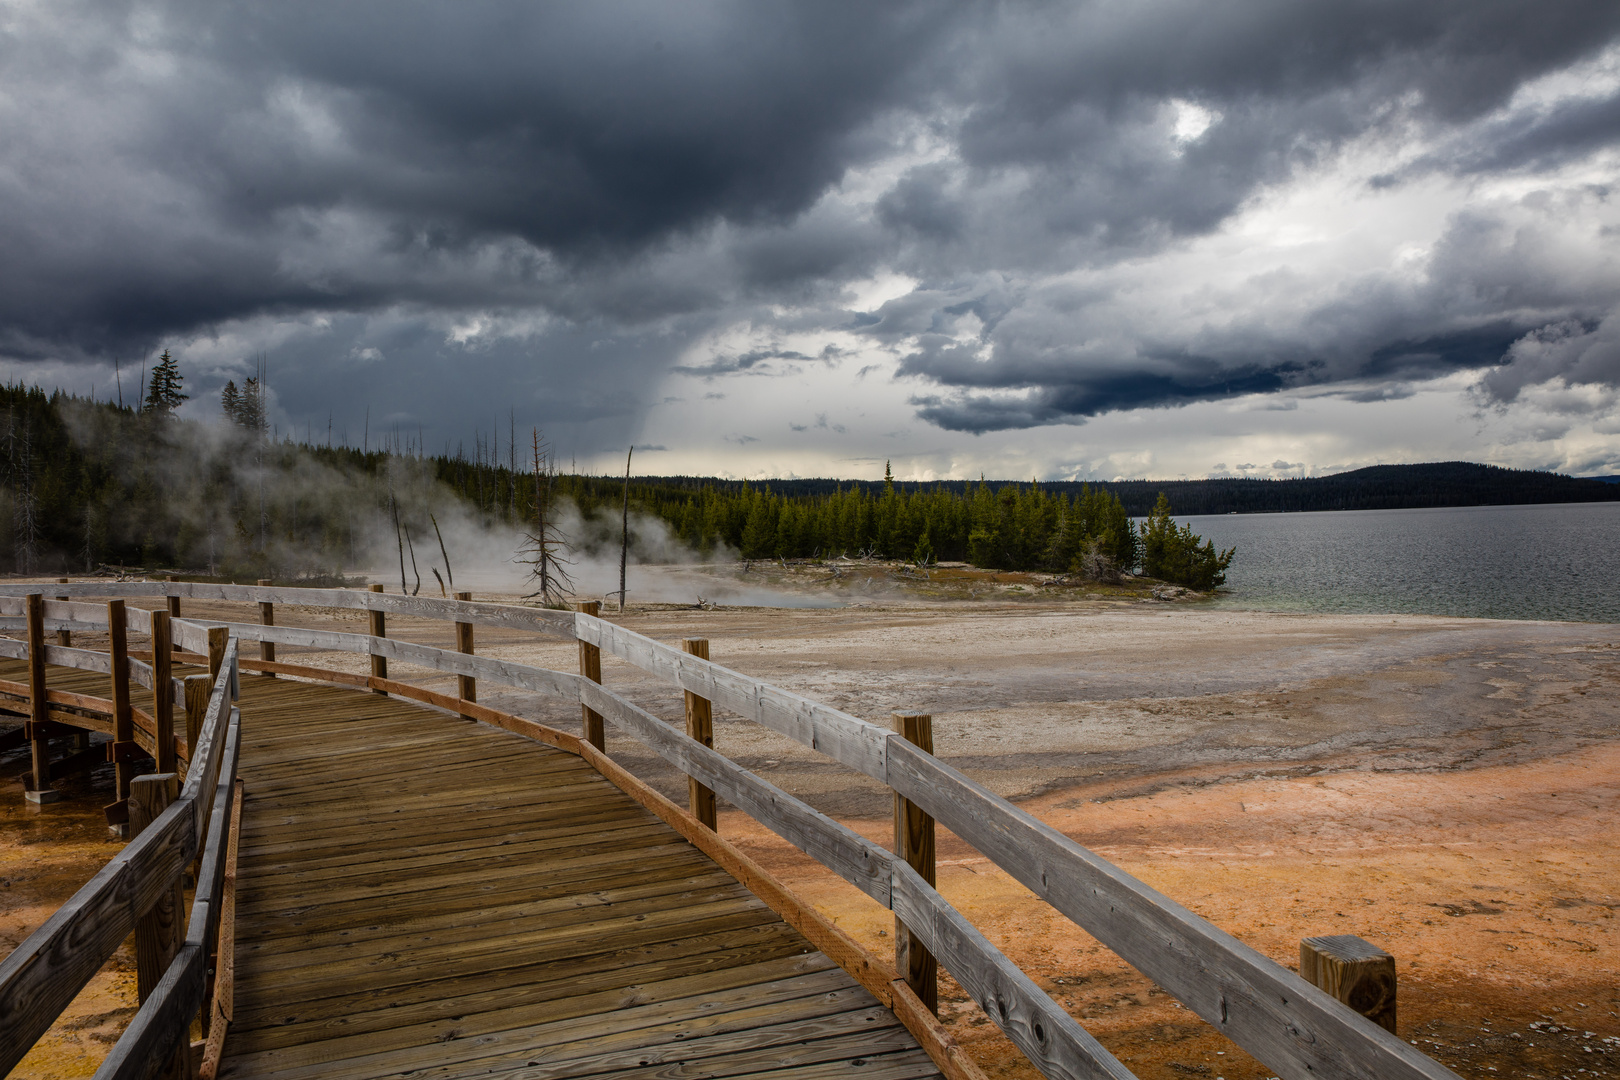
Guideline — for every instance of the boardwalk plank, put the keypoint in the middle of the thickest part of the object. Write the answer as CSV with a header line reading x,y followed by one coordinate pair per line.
x,y
423,896
559,1030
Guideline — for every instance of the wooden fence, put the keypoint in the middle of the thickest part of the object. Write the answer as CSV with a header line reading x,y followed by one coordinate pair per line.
x,y
176,826
1293,1027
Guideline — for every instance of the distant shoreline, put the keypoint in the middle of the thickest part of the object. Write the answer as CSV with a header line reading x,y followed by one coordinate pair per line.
x,y
1430,486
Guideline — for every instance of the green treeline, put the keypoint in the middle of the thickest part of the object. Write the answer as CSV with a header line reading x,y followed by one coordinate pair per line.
x,y
88,484
1377,487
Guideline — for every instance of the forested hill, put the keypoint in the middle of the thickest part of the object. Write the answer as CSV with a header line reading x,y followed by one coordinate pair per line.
x,y
1378,487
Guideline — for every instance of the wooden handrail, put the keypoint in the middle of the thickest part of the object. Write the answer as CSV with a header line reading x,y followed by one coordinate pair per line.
x,y
165,1017
44,973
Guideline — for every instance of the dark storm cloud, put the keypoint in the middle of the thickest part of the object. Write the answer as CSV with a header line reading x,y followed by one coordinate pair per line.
x,y
618,180
308,157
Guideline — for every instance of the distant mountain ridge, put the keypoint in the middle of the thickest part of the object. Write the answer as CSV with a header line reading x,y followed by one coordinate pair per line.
x,y
1377,487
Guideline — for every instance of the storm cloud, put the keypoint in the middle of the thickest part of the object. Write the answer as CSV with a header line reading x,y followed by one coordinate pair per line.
x,y
432,217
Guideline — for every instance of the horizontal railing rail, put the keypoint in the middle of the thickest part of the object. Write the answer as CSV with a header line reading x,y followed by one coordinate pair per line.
x,y
1292,1026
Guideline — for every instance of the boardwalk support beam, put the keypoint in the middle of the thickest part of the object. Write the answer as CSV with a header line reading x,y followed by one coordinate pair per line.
x,y
39,710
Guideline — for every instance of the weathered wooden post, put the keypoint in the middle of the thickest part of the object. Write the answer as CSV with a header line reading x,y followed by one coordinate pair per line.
x,y
159,932
700,726
163,691
590,666
39,709
64,638
197,693
379,628
218,638
914,842
123,747
267,617
467,685
174,603
1355,971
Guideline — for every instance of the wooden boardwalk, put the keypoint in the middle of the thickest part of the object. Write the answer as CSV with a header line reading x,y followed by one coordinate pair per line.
x,y
421,895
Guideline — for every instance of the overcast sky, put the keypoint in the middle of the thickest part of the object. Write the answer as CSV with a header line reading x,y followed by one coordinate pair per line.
x,y
1089,240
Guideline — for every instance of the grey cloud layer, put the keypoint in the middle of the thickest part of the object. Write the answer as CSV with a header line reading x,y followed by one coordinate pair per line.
x,y
648,173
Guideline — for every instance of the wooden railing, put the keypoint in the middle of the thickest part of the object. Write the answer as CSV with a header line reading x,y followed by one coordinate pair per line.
x,y
175,827
1290,1025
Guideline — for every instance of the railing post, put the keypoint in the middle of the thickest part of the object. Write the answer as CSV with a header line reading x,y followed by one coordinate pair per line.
x,y
267,617
64,638
218,638
158,933
914,842
1355,971
123,718
39,709
466,684
174,603
198,688
590,666
163,692
700,726
379,628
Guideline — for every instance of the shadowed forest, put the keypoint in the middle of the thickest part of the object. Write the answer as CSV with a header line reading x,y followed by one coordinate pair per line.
x,y
91,485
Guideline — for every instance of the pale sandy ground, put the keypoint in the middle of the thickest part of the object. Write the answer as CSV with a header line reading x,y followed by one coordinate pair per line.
x,y
1443,787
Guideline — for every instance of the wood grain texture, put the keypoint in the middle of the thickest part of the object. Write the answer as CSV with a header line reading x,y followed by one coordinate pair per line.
x,y
221,1007
700,728
914,844
466,685
39,710
419,894
40,976
590,668
159,930
836,846
1353,971
842,737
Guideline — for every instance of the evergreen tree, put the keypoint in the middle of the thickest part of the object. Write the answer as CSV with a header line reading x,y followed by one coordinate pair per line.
x,y
163,394
1176,555
251,413
230,400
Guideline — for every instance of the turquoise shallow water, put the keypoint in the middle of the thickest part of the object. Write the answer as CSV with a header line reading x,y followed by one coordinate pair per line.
x,y
1558,561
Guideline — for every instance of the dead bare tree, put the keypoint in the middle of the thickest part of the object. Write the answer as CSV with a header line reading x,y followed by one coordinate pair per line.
x,y
451,574
399,538
543,546
624,528
412,548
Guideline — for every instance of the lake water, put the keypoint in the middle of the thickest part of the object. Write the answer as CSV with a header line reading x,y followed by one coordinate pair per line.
x,y
1558,561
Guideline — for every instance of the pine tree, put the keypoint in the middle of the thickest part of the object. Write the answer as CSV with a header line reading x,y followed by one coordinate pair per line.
x,y
251,413
230,400
163,395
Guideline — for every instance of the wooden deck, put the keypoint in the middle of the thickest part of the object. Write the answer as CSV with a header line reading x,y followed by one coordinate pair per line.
x,y
419,895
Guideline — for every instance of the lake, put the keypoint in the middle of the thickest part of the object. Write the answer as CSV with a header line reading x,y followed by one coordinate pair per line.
x,y
1552,561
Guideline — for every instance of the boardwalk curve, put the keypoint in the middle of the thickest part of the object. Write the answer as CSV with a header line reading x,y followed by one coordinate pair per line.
x,y
420,895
